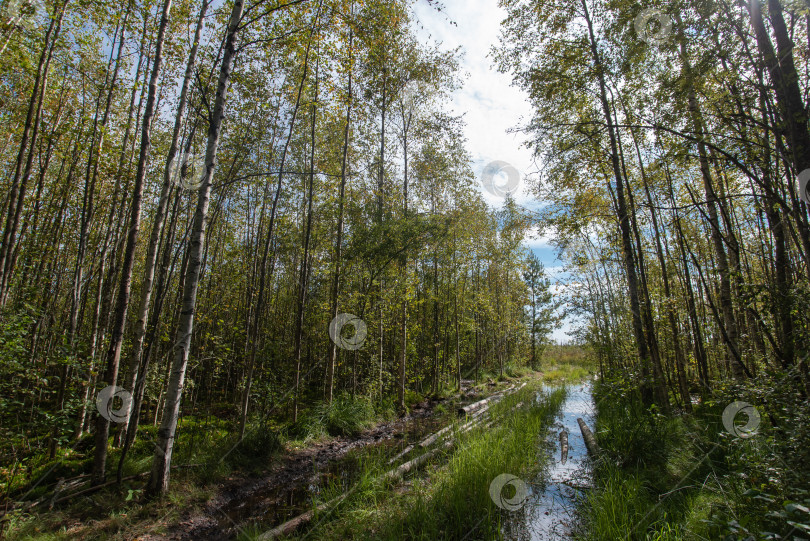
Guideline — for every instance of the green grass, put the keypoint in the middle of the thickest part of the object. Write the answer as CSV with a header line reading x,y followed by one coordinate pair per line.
x,y
202,442
673,478
115,512
344,416
452,496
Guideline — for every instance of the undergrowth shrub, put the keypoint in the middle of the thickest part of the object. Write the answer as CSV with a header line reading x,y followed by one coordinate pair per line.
x,y
686,477
630,432
259,444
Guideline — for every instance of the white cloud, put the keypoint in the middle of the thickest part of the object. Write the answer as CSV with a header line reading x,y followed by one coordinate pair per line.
x,y
491,107
535,239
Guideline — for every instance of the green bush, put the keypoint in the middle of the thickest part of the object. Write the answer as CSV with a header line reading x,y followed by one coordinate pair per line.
x,y
686,477
346,416
627,430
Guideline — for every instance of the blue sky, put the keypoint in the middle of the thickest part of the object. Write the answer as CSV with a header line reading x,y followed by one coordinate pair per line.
x,y
491,106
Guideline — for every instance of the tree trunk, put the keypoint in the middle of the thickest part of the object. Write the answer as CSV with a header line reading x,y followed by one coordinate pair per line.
x,y
623,216
330,372
118,321
139,365
161,462
303,278
27,146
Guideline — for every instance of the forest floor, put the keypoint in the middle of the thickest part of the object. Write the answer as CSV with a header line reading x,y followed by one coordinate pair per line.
x,y
224,505
454,495
288,484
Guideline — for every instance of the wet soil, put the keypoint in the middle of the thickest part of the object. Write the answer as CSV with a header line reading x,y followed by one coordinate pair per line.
x,y
287,488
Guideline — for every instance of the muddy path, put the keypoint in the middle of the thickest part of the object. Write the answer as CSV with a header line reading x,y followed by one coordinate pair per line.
x,y
287,487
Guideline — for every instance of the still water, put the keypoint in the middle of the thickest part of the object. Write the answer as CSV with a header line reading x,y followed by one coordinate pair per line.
x,y
550,511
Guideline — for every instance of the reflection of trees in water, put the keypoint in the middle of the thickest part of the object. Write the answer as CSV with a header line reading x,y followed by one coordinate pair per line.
x,y
559,489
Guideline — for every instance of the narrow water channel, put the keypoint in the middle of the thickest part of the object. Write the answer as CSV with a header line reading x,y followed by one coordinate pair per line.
x,y
550,511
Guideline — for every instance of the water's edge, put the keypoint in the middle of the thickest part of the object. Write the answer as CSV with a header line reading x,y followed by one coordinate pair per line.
x,y
553,496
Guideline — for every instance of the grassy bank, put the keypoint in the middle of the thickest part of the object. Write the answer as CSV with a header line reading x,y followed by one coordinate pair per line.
x,y
450,499
685,477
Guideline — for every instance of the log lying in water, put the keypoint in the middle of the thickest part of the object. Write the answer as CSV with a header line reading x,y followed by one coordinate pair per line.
x,y
432,438
404,452
513,390
398,472
293,524
587,435
564,446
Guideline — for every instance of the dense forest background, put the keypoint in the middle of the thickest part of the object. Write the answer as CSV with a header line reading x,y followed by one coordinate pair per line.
x,y
193,192
676,155
676,151
196,195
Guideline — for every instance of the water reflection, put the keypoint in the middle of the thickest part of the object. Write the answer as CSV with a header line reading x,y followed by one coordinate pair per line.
x,y
550,512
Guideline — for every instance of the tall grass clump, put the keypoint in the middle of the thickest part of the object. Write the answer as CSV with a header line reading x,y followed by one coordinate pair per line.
x,y
344,416
685,477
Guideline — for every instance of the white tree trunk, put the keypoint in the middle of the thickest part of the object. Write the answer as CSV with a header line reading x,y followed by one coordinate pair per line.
x,y
161,461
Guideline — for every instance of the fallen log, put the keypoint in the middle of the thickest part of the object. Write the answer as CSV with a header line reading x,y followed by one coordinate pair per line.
x,y
474,423
564,446
587,435
513,390
431,439
398,472
404,452
481,403
90,490
293,524
96,488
